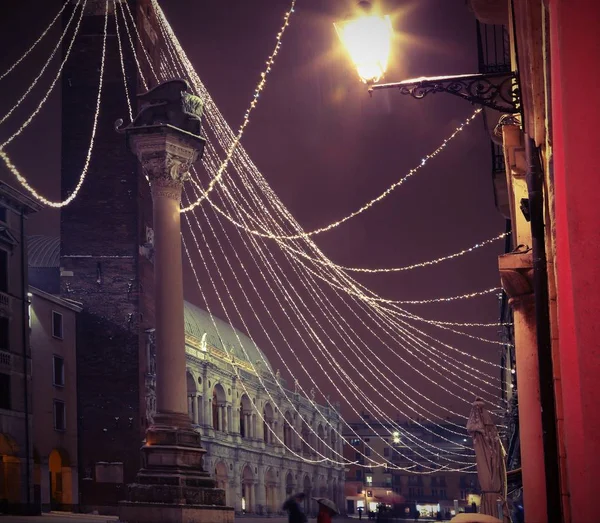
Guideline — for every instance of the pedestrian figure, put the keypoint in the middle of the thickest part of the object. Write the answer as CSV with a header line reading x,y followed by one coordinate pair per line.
x,y
325,514
360,511
294,508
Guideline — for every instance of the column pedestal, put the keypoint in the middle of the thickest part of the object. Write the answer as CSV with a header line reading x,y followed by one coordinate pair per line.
x,y
172,486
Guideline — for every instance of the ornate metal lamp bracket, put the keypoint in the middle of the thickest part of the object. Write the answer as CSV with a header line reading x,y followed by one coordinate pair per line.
x,y
498,91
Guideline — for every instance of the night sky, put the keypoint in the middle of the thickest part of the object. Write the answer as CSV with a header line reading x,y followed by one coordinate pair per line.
x,y
326,148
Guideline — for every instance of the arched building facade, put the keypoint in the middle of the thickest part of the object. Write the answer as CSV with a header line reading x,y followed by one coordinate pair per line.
x,y
251,431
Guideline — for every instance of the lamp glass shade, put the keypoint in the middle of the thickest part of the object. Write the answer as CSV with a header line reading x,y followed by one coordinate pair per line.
x,y
368,40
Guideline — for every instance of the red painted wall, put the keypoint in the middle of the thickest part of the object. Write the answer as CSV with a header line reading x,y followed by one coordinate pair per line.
x,y
575,55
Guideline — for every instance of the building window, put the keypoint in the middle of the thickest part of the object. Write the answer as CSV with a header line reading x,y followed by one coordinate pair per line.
x,y
367,451
359,474
57,325
4,334
386,452
369,480
3,271
59,371
60,415
3,214
4,391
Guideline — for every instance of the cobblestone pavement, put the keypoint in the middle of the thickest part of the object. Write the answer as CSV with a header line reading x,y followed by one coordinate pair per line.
x,y
66,517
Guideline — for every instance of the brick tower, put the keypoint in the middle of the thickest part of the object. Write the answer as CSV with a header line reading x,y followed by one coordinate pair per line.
x,y
106,252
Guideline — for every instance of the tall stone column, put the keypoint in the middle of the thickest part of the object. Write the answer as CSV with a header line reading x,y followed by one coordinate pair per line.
x,y
516,271
172,485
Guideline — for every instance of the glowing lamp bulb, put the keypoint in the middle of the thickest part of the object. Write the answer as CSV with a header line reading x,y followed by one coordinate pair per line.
x,y
368,41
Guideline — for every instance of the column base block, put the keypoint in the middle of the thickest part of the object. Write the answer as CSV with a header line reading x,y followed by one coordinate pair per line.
x,y
172,486
131,512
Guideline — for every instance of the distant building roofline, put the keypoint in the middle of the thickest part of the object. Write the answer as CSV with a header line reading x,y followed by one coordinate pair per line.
x,y
17,200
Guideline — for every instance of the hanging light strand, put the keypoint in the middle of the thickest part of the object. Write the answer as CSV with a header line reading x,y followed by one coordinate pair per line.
x,y
23,181
44,33
223,281
314,319
44,67
122,60
54,81
261,84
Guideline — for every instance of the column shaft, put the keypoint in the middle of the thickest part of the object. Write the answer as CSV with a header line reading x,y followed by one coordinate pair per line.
x,y
168,285
530,421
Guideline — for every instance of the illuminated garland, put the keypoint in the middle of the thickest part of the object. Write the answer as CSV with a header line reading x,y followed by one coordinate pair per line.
x,y
232,160
270,61
7,72
290,304
44,67
130,38
122,60
226,286
13,169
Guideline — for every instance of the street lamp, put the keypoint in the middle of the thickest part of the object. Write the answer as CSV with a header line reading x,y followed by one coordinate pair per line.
x,y
367,39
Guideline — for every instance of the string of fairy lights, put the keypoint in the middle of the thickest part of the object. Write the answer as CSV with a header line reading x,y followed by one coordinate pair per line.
x,y
208,99
348,331
4,156
259,88
36,42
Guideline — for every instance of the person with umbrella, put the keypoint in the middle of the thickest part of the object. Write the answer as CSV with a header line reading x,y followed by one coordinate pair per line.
x,y
294,508
327,509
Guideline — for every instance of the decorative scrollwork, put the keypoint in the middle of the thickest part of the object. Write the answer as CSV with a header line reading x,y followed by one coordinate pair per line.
x,y
497,91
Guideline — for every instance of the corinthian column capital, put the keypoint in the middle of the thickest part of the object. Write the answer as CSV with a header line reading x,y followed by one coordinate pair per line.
x,y
166,156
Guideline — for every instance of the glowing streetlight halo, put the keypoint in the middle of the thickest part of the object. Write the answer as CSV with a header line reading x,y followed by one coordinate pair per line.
x,y
367,39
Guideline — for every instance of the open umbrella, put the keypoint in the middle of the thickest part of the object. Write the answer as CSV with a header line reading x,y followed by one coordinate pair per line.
x,y
489,454
328,503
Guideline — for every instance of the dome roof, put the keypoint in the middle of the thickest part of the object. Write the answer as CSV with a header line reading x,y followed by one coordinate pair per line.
x,y
43,251
198,322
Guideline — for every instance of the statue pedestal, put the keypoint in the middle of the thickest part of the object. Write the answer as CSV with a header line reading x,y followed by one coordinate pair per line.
x,y
172,486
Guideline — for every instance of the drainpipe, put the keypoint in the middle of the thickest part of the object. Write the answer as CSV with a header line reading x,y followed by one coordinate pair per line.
x,y
24,340
535,188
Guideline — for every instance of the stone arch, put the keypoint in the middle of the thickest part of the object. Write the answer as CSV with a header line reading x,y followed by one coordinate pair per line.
x,y
271,499
333,440
287,429
307,489
247,480
59,466
246,425
320,439
192,393
289,483
322,488
268,422
305,433
10,470
218,407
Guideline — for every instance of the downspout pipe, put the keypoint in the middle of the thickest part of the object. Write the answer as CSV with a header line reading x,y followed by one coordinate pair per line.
x,y
535,189
25,325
